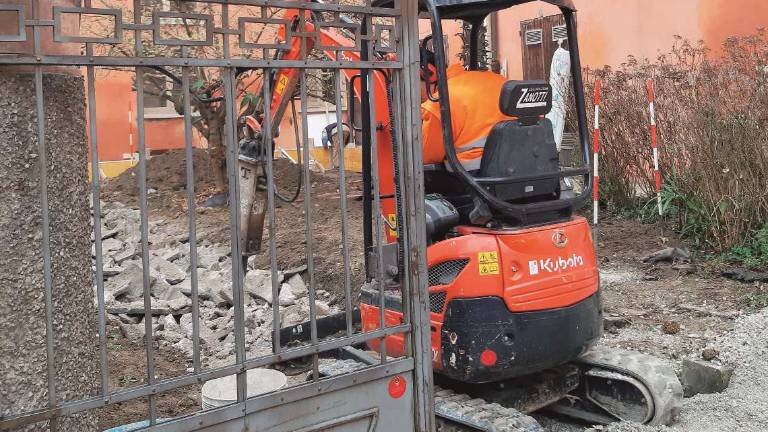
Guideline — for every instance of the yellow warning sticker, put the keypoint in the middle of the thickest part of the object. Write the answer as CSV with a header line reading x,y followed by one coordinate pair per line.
x,y
392,224
281,83
488,263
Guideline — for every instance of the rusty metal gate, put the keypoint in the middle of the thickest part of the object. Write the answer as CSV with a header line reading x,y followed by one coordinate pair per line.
x,y
102,39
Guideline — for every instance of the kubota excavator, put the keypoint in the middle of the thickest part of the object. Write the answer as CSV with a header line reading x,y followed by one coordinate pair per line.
x,y
513,281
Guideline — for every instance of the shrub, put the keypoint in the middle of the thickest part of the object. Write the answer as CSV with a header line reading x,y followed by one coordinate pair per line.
x,y
712,117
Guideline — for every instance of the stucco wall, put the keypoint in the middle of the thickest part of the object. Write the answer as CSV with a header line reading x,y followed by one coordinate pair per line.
x,y
23,360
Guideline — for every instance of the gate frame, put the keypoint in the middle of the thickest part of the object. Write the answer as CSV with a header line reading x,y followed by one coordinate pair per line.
x,y
407,94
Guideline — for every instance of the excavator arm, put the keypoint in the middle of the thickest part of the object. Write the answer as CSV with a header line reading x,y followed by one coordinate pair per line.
x,y
306,38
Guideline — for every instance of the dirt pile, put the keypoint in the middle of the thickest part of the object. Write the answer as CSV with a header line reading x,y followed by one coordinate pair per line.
x,y
167,203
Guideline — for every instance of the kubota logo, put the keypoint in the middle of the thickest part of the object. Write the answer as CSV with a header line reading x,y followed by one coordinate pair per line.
x,y
559,239
553,265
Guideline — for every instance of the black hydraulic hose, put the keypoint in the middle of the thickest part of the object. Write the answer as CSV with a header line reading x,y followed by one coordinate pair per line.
x,y
396,166
298,159
177,80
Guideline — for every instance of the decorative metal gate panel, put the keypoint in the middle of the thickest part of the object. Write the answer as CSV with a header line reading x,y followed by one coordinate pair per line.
x,y
199,51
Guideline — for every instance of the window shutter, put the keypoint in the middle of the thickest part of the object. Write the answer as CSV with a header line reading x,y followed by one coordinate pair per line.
x,y
533,37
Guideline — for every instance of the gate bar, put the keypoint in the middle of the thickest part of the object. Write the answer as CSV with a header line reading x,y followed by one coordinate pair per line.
x,y
269,145
96,197
166,385
230,139
46,228
415,223
343,198
145,240
308,212
192,214
46,224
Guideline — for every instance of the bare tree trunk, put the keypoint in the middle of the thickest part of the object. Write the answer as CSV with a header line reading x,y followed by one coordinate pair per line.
x,y
217,150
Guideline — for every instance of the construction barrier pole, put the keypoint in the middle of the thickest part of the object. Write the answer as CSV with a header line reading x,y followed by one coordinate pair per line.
x,y
654,144
595,153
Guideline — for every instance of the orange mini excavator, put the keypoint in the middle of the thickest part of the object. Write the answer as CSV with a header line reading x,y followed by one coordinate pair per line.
x,y
514,290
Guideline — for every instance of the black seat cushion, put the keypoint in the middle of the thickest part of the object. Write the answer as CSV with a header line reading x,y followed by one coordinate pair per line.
x,y
517,150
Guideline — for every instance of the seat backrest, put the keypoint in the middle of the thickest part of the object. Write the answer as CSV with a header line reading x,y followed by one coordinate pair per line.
x,y
517,150
523,147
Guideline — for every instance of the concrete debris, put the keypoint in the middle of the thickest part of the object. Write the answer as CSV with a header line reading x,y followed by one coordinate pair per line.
x,y
295,270
111,271
129,284
134,332
671,254
700,376
170,288
162,290
172,254
286,298
111,244
124,255
258,284
298,287
322,309
710,353
169,271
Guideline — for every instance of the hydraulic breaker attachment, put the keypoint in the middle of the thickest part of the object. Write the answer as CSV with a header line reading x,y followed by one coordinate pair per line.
x,y
253,196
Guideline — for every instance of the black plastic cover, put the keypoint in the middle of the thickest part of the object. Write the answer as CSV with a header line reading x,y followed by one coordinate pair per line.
x,y
515,151
524,342
525,99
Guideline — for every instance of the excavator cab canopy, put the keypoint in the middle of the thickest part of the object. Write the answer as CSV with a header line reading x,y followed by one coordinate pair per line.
x,y
494,189
472,9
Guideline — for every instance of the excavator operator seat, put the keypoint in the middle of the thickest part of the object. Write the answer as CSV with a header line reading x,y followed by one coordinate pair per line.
x,y
522,150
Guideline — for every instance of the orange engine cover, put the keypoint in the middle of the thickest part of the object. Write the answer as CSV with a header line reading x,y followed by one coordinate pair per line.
x,y
530,269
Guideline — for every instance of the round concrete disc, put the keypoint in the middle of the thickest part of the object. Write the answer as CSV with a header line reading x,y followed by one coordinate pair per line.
x,y
260,381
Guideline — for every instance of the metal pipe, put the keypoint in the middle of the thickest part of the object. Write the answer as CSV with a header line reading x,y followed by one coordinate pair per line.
x,y
96,198
192,213
144,227
308,228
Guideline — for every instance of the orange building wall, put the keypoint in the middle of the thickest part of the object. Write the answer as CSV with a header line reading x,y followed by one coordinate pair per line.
x,y
610,30
116,127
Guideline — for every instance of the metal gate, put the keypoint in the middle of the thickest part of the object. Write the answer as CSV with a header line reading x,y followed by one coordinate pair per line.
x,y
174,40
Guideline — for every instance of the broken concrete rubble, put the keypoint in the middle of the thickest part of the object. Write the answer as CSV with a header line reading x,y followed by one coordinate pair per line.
x,y
699,376
170,287
169,271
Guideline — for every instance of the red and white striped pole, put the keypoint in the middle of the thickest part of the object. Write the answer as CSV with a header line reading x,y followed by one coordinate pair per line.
x,y
595,153
654,144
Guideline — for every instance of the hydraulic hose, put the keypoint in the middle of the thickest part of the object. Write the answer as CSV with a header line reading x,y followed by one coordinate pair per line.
x,y
297,192
396,166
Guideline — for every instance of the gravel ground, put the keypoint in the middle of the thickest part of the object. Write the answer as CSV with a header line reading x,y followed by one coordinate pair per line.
x,y
743,407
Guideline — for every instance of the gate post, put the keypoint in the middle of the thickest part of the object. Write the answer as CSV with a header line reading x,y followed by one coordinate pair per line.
x,y
415,225
49,346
